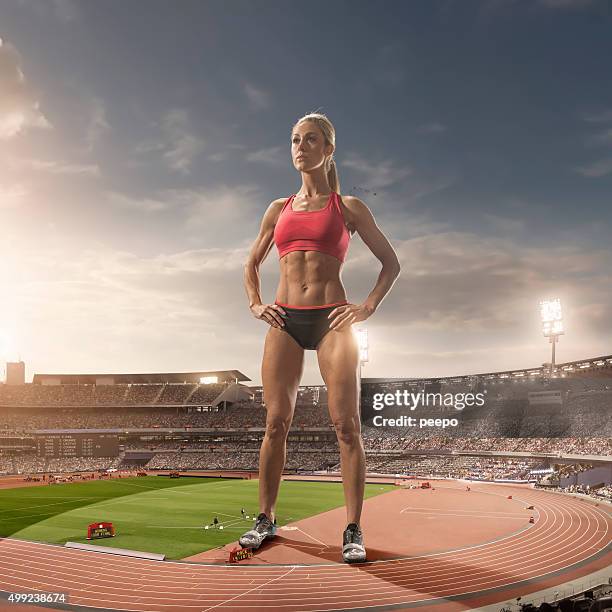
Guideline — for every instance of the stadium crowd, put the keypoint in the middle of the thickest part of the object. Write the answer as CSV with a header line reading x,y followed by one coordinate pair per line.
x,y
109,395
488,468
237,458
508,423
603,492
22,421
377,439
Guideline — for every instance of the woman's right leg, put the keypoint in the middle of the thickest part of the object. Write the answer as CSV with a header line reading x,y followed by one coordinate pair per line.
x,y
281,372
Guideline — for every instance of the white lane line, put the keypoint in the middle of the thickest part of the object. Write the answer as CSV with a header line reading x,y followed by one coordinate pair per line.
x,y
516,517
446,509
313,538
250,590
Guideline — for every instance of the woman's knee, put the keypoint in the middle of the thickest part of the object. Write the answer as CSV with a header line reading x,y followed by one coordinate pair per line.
x,y
347,431
277,428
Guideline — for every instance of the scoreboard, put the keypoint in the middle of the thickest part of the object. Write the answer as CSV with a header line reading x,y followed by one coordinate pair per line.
x,y
77,445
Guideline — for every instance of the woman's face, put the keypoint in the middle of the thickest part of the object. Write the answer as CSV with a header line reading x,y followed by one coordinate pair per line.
x,y
308,149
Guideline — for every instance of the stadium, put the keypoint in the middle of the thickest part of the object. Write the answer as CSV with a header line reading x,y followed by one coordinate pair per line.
x,y
511,506
268,306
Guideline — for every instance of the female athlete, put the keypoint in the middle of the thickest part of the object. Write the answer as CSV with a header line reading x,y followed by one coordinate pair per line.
x,y
311,230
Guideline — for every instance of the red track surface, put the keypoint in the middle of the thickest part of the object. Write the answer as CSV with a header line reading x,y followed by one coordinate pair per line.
x,y
570,538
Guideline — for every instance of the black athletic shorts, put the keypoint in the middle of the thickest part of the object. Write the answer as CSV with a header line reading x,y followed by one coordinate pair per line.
x,y
307,325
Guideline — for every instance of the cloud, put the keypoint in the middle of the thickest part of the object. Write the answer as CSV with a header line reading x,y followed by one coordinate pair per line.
x,y
219,208
422,187
459,295
65,10
147,147
56,167
388,65
431,128
601,167
596,169
217,157
494,9
172,312
598,116
258,98
145,205
464,284
98,125
12,196
603,138
178,144
19,105
566,4
203,215
376,175
505,225
183,146
417,225
272,156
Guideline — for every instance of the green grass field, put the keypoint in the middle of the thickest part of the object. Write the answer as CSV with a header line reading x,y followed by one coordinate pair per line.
x,y
157,514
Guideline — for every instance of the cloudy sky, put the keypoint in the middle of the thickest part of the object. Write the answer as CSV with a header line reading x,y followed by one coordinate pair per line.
x,y
141,142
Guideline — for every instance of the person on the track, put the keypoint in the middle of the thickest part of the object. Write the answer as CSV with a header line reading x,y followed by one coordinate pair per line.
x,y
312,230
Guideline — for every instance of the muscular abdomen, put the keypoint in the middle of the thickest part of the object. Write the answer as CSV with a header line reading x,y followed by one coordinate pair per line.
x,y
309,278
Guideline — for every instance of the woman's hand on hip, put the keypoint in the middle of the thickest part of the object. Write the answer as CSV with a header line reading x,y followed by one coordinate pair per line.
x,y
347,314
270,313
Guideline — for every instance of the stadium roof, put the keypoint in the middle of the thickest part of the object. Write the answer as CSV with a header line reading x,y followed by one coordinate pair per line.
x,y
600,366
124,379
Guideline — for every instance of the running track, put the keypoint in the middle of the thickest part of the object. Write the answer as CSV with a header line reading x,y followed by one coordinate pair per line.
x,y
570,538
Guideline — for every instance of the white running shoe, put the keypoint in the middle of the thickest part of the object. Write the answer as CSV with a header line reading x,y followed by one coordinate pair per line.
x,y
353,550
264,529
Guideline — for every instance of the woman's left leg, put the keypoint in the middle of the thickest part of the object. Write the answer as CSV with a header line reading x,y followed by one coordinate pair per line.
x,y
338,356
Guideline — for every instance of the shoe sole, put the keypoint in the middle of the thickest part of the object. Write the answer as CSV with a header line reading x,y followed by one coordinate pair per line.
x,y
349,561
253,546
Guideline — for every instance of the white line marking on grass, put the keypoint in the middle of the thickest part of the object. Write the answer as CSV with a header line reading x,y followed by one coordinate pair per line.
x,y
116,500
30,516
44,505
43,496
133,484
234,516
225,527
174,527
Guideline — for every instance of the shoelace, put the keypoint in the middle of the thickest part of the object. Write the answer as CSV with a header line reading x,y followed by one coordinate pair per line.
x,y
352,534
263,523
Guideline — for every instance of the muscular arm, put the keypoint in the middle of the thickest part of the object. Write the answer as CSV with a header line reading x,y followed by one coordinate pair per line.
x,y
377,242
258,253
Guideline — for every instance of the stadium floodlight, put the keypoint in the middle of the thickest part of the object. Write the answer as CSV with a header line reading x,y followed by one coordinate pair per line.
x,y
362,343
552,318
552,325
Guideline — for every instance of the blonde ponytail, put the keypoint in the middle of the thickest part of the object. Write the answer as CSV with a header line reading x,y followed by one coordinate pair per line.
x,y
332,176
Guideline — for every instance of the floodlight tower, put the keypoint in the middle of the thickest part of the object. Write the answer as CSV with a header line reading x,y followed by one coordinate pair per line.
x,y
552,325
362,343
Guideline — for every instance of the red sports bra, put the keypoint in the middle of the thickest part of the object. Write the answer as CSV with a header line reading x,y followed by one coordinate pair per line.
x,y
312,230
